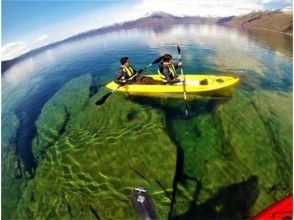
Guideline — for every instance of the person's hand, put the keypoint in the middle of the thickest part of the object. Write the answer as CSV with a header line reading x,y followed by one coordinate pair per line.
x,y
140,71
180,64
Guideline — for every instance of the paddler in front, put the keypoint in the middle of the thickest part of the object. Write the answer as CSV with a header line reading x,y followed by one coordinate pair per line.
x,y
128,75
167,70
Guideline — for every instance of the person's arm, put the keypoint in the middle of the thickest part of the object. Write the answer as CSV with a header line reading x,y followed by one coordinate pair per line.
x,y
120,74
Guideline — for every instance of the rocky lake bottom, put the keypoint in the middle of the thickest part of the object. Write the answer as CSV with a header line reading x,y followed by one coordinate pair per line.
x,y
230,159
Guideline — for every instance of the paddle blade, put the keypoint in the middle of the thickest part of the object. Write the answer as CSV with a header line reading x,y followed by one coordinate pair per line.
x,y
103,99
179,49
187,113
157,60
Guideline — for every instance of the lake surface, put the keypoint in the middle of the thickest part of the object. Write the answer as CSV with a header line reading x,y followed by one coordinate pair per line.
x,y
243,142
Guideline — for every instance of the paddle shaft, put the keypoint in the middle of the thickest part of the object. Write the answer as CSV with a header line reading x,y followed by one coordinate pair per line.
x,y
147,66
154,62
184,80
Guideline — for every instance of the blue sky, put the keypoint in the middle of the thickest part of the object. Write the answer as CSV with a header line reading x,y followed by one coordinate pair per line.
x,y
27,25
24,17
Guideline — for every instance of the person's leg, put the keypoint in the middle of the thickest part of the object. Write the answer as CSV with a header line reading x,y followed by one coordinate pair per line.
x,y
175,80
147,80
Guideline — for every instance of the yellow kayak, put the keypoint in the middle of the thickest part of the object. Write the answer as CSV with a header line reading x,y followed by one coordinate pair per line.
x,y
195,86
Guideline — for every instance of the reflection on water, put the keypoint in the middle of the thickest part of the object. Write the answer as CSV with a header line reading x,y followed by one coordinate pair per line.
x,y
283,43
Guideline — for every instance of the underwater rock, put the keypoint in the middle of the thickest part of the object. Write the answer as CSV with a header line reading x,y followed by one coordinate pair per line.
x,y
206,165
245,140
11,186
261,139
275,110
103,153
69,101
11,167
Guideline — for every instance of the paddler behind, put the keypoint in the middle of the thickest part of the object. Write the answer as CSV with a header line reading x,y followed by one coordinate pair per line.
x,y
167,70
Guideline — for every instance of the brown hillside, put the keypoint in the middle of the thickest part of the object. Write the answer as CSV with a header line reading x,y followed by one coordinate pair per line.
x,y
270,20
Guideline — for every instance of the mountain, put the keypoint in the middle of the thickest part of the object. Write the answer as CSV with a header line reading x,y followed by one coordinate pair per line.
x,y
278,20
164,19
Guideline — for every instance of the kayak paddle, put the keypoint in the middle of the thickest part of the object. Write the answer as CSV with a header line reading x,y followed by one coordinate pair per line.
x,y
154,62
103,99
184,87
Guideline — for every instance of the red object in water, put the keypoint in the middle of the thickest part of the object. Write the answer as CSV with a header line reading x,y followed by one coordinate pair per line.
x,y
281,210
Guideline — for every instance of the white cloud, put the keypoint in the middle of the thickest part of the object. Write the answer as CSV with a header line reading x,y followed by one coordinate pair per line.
x,y
266,1
65,29
278,1
200,7
42,37
13,49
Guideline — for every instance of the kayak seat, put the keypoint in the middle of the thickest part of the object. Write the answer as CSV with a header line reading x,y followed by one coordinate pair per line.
x,y
203,82
220,80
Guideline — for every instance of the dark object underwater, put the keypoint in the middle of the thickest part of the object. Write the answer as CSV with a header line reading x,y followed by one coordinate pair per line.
x,y
143,204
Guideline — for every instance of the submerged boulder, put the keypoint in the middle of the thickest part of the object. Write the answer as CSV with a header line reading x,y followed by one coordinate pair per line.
x,y
236,156
90,169
51,123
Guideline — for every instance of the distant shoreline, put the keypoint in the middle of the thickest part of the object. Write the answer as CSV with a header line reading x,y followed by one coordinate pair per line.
x,y
264,29
260,29
252,20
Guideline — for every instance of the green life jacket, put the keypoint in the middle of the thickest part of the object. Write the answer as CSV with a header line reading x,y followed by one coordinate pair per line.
x,y
128,70
172,72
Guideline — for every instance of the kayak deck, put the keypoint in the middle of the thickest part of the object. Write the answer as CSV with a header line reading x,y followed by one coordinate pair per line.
x,y
194,86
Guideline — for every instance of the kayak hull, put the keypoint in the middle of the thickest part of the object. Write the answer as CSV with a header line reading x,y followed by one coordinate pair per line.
x,y
216,86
